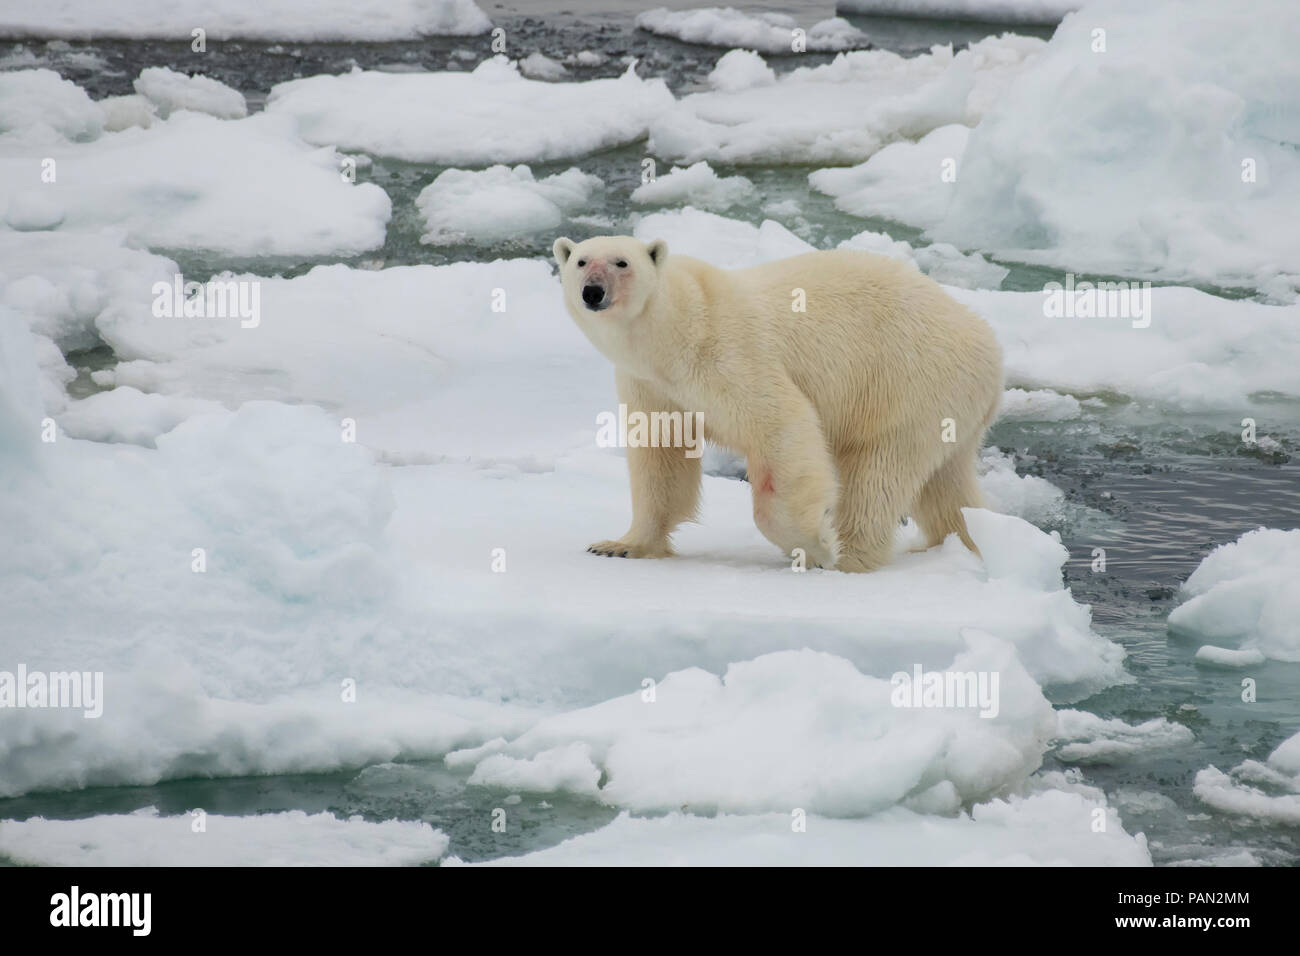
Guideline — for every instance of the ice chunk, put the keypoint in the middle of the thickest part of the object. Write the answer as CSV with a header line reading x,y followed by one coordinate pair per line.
x,y
1186,349
168,91
147,838
1269,792
1243,593
128,415
739,70
987,11
123,112
1038,405
1226,657
1016,550
791,729
248,187
328,20
1086,738
1188,170
1035,499
1038,830
492,115
911,182
696,185
43,101
941,262
498,203
538,66
764,32
842,111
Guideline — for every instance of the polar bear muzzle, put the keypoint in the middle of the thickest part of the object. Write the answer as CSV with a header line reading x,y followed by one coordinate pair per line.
x,y
594,297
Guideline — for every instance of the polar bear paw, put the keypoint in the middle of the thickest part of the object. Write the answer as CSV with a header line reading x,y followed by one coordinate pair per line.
x,y
629,549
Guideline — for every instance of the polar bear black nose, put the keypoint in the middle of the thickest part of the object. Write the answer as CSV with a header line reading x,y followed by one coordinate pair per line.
x,y
593,295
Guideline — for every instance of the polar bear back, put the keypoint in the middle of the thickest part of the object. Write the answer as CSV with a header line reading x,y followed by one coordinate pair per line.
x,y
878,343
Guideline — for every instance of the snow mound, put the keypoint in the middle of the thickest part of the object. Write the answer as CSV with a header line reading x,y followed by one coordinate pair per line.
x,y
498,203
739,70
790,729
697,186
169,91
764,32
841,112
1189,349
1243,593
146,838
911,182
1035,499
247,186
1195,183
491,115
940,261
43,102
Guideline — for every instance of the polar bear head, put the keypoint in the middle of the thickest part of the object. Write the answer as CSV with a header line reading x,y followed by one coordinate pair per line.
x,y
609,278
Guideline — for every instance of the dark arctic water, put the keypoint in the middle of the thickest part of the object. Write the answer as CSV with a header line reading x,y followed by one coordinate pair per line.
x,y
1157,490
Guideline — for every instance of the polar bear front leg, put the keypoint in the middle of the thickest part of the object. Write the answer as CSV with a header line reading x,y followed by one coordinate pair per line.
x,y
795,487
665,484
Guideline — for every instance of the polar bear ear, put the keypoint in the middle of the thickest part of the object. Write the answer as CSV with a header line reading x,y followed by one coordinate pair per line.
x,y
658,251
562,249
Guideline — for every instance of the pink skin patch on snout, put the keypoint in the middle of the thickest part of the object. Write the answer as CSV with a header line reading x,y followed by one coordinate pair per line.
x,y
604,273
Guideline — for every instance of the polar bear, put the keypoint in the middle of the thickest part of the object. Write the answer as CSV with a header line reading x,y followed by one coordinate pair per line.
x,y
857,389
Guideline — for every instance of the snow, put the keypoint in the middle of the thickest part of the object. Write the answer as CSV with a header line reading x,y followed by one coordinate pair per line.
x,y
1026,496
169,91
498,203
739,70
280,543
346,563
123,112
1043,829
374,20
1038,405
41,102
905,181
1243,594
1199,352
147,838
1194,182
491,115
1046,12
763,32
1268,792
1226,657
788,729
538,66
696,185
840,112
1085,738
247,186
128,415
940,261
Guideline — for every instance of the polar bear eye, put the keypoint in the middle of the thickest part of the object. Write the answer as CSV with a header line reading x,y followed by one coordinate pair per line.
x,y
581,263
622,263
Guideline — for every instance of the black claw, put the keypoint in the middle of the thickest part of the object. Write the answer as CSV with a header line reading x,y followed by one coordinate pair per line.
x,y
622,554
